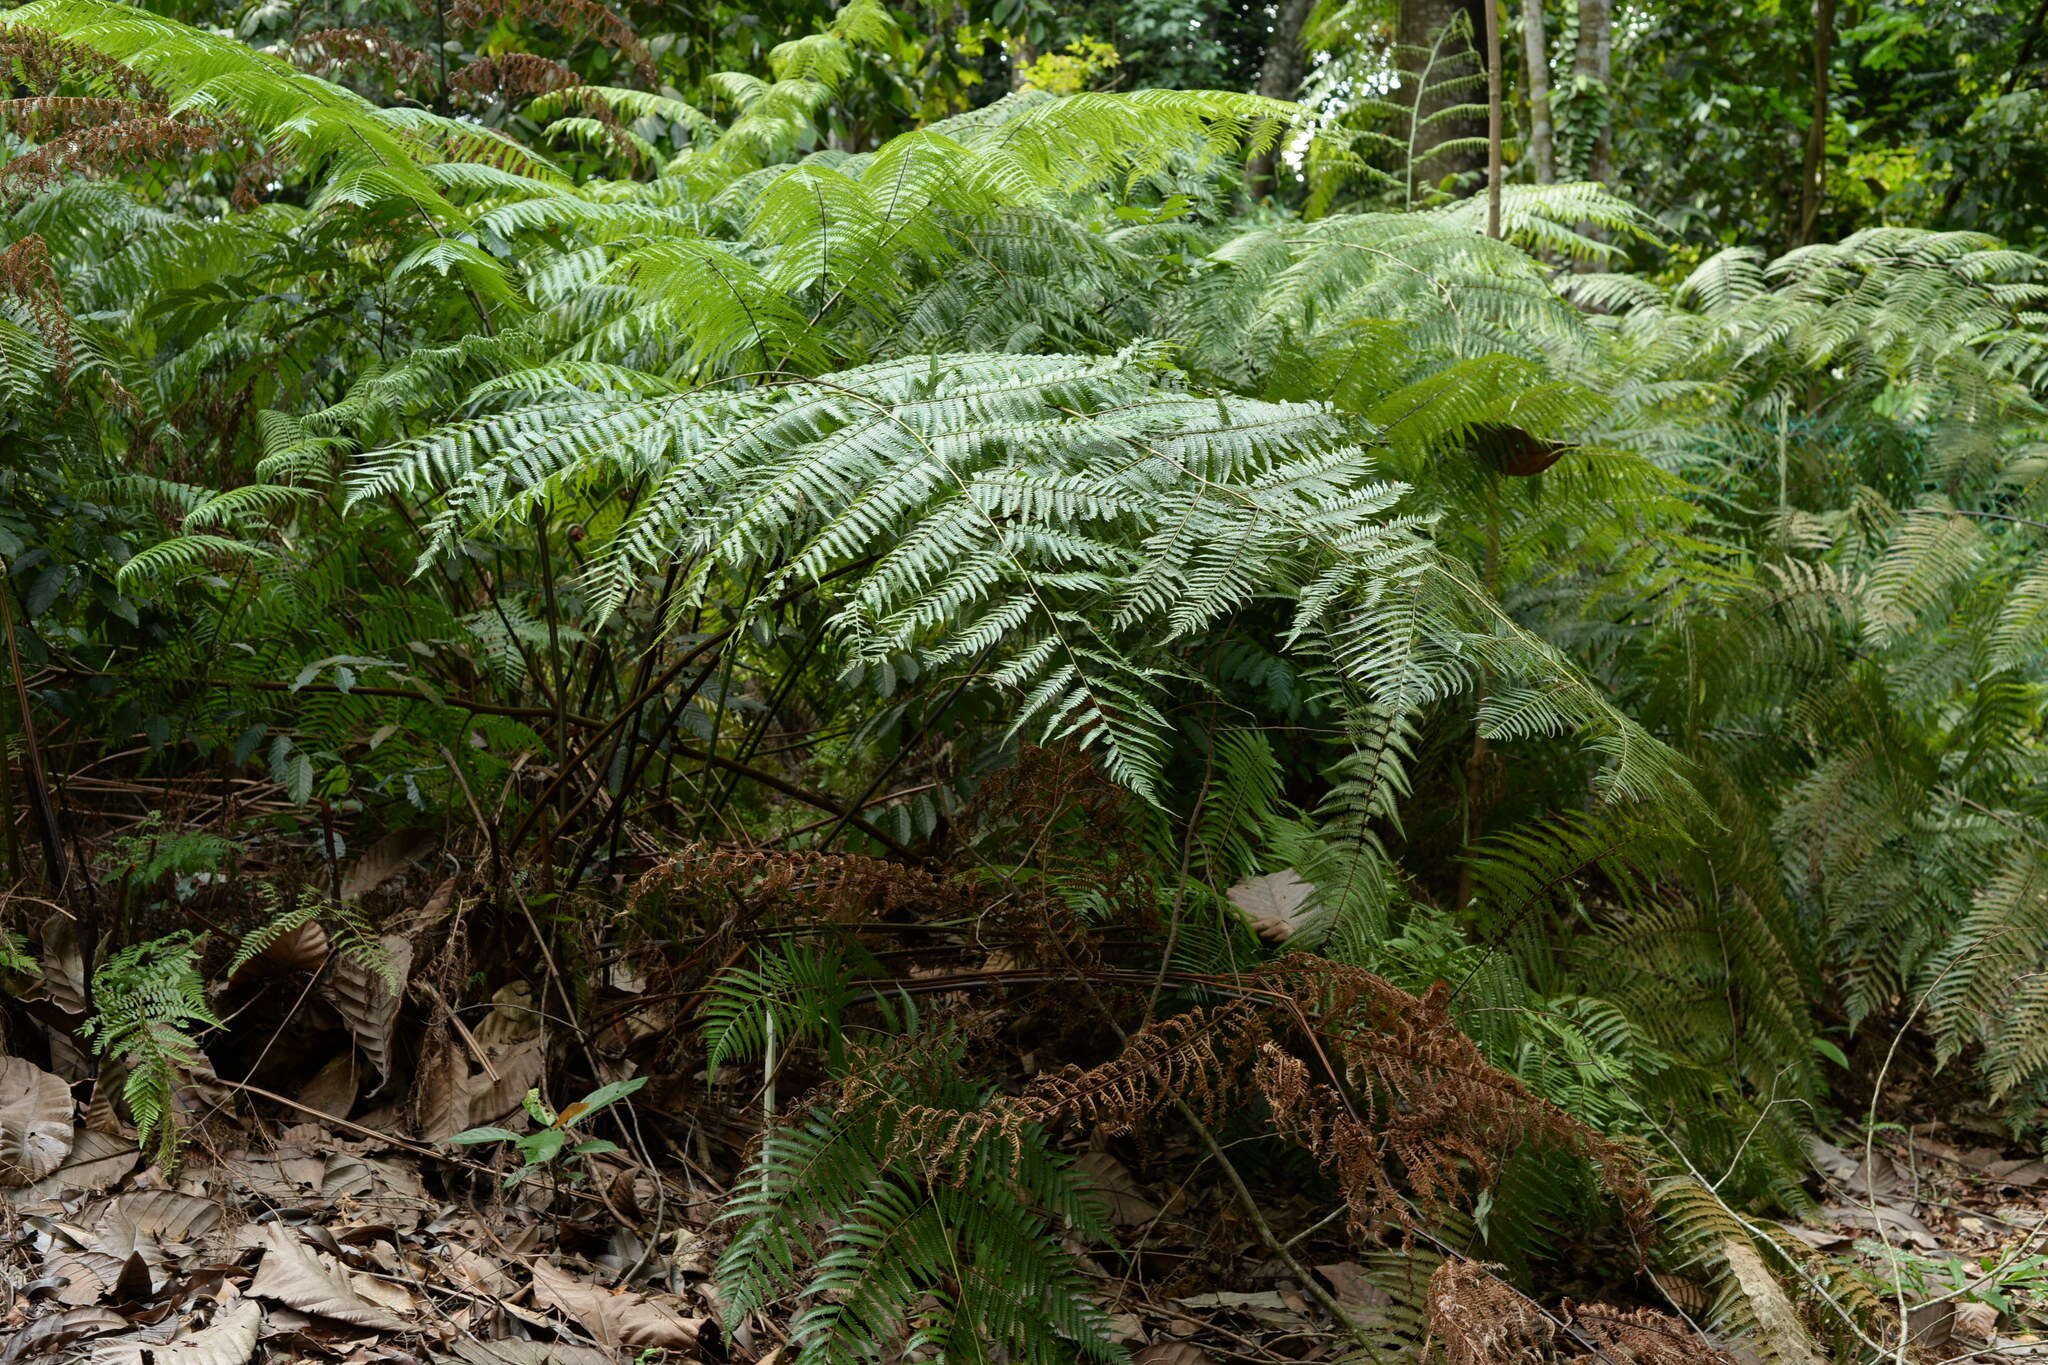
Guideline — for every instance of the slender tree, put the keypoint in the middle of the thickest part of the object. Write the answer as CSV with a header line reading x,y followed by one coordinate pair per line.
x,y
1493,118
1593,65
1280,79
1814,173
1536,54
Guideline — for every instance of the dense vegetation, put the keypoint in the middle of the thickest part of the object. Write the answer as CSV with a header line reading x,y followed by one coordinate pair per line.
x,y
890,559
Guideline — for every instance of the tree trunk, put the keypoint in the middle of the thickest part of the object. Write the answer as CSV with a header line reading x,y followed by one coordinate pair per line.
x,y
1280,79
1493,118
1813,176
1021,56
1536,53
1594,62
1419,31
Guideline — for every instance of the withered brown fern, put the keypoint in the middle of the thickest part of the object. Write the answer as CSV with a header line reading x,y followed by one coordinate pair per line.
x,y
1478,1318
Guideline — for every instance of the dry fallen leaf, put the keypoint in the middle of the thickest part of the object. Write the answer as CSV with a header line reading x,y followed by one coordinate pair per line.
x,y
230,1339
35,1122
615,1317
1128,1206
1171,1353
1273,904
296,1276
1976,1321
158,1223
361,994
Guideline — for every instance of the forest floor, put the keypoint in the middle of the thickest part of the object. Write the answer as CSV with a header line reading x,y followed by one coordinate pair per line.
x,y
314,1236
316,1211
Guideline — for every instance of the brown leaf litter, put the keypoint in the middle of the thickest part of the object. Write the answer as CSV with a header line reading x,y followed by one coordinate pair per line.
x,y
315,1244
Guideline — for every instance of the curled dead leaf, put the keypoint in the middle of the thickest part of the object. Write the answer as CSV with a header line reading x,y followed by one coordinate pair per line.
x,y
35,1122
363,993
618,1317
230,1339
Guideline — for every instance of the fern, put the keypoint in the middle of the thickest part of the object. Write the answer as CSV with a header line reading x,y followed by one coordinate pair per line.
x,y
885,1258
351,934
147,999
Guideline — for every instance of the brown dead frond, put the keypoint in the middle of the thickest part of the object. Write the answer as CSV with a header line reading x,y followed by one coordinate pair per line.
x,y
843,888
1479,1319
27,276
44,63
1197,1057
327,51
514,77
580,18
1421,1117
109,147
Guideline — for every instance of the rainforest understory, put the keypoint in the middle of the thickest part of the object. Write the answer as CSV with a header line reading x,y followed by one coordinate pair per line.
x,y
1146,681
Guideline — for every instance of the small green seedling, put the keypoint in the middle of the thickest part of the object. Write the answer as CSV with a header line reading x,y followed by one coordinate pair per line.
x,y
555,1136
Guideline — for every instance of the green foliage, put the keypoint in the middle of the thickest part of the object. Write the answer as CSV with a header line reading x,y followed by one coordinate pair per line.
x,y
147,998
543,1149
348,931
141,859
1653,657
883,1255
